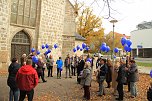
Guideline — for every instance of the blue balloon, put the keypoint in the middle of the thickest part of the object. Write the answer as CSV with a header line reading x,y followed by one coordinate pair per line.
x,y
46,45
116,50
103,48
35,59
114,57
89,60
48,51
129,43
78,47
107,49
33,50
74,49
104,43
129,49
55,46
123,41
87,48
38,52
151,73
43,46
84,45
81,49
126,48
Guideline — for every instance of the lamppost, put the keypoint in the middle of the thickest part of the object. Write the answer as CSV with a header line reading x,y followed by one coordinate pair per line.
x,y
113,45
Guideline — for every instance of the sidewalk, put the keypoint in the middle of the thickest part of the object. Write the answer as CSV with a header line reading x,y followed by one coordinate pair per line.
x,y
145,70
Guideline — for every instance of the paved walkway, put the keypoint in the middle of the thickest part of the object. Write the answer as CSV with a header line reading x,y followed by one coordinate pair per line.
x,y
145,70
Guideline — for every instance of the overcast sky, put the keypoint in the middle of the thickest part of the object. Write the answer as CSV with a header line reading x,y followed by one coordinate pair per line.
x,y
129,13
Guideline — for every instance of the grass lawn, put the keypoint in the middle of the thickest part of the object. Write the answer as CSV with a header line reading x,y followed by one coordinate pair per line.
x,y
144,64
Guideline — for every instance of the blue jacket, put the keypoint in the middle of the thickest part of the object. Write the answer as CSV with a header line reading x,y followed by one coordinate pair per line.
x,y
59,63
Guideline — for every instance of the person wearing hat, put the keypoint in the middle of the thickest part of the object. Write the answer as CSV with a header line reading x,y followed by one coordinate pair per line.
x,y
102,71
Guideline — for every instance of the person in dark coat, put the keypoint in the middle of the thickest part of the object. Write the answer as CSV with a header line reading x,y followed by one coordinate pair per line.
x,y
109,73
127,74
102,69
13,69
67,64
121,79
98,62
133,77
149,93
80,67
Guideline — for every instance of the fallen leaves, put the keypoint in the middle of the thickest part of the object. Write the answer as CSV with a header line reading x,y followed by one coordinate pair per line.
x,y
75,92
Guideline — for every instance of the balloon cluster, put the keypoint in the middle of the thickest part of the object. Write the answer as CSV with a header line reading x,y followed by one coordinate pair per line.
x,y
33,50
47,47
35,58
126,43
78,47
104,48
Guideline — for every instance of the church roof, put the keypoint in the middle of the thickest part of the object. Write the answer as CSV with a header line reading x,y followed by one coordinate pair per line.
x,y
79,37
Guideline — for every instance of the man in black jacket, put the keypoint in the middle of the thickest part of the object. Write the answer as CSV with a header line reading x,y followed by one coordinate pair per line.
x,y
102,69
121,79
14,91
80,67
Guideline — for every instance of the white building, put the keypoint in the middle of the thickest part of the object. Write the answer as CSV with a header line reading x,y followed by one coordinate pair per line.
x,y
142,40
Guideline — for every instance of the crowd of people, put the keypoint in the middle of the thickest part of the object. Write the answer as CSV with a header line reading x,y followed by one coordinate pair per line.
x,y
23,77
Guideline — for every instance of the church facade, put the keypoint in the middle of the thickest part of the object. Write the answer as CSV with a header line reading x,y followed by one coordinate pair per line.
x,y
26,24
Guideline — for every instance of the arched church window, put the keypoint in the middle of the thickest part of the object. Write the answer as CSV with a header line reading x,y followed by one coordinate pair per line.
x,y
23,12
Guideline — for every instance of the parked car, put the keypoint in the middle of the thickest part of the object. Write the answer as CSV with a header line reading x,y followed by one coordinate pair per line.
x,y
98,54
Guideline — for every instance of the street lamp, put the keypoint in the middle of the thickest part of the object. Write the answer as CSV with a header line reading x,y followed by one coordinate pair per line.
x,y
113,45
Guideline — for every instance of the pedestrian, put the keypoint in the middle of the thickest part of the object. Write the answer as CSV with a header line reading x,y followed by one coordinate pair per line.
x,y
114,75
133,77
11,82
72,66
23,60
50,62
149,93
98,62
39,69
76,60
67,64
121,79
92,62
59,63
102,69
127,74
27,79
80,67
109,73
86,80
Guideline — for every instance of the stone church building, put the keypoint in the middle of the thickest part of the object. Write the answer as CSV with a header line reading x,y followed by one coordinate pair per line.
x,y
26,24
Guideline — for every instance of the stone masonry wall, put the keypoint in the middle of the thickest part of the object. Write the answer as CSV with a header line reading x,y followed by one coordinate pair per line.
x,y
4,32
51,25
69,30
69,20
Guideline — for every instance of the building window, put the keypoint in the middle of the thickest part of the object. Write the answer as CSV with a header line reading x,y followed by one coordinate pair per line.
x,y
23,12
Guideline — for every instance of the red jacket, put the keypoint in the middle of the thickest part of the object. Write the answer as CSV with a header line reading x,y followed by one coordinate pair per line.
x,y
26,78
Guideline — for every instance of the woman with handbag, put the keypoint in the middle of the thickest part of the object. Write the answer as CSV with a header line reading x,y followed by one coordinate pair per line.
x,y
86,80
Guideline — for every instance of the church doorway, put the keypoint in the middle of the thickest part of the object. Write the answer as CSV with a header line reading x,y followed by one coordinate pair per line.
x,y
20,45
